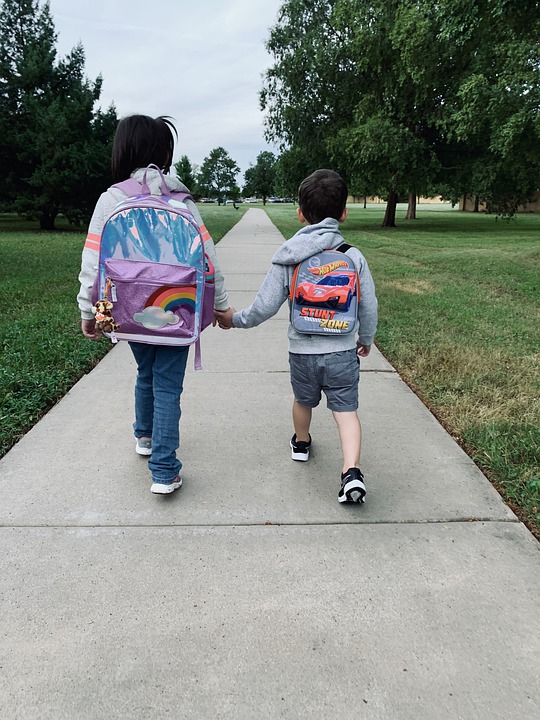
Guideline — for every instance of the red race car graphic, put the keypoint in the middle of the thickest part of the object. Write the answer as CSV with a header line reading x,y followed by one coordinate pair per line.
x,y
334,290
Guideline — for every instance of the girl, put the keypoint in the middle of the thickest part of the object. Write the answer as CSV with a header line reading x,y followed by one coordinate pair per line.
x,y
139,141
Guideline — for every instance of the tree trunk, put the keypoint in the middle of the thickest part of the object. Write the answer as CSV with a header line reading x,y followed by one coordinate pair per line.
x,y
411,208
48,216
365,202
476,203
464,202
390,214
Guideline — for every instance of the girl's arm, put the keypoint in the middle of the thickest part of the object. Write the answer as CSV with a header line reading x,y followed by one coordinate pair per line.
x,y
221,300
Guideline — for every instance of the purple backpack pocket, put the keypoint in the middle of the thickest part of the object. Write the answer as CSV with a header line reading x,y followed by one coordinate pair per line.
x,y
207,317
152,299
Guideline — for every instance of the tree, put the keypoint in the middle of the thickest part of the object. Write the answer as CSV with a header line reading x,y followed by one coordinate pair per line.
x,y
56,148
26,56
494,125
259,179
186,173
218,173
292,167
359,111
301,109
383,90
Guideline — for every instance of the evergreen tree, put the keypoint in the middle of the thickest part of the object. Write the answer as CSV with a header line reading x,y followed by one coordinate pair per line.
x,y
55,148
186,173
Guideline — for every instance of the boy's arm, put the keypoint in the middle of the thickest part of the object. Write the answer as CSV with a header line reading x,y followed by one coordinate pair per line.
x,y
271,296
367,310
221,298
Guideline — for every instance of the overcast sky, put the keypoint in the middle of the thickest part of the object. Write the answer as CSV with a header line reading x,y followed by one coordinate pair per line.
x,y
200,62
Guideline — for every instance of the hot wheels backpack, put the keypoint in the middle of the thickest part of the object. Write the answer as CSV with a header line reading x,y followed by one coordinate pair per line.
x,y
154,283
324,294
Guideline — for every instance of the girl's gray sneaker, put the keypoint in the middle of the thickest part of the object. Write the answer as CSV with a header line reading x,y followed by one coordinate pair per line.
x,y
143,446
159,488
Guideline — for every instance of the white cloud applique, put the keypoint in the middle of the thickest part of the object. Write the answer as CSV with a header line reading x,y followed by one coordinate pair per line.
x,y
154,318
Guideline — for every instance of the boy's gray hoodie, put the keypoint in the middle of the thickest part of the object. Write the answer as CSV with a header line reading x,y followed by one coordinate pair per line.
x,y
274,291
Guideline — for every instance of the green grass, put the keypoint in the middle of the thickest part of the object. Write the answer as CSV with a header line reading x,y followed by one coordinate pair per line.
x,y
219,219
43,352
460,320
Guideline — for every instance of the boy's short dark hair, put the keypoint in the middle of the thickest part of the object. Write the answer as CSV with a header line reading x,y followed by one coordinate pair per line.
x,y
139,141
322,194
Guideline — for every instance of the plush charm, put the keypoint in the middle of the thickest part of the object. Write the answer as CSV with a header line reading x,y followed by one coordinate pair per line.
x,y
104,319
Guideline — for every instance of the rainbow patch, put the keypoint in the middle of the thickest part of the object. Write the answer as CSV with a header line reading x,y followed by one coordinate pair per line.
x,y
170,297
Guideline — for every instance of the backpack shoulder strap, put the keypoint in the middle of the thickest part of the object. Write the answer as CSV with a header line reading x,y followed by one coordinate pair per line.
x,y
182,196
343,247
132,188
129,187
293,282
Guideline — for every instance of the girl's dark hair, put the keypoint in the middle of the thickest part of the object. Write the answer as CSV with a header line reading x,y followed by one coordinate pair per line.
x,y
139,141
321,195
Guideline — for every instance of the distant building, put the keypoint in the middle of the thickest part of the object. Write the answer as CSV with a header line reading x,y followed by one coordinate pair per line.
x,y
357,199
470,203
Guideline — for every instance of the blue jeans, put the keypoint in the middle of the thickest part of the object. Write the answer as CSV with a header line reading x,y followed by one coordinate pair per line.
x,y
160,380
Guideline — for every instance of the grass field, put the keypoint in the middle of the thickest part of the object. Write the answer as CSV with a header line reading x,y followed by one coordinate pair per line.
x,y
460,320
43,352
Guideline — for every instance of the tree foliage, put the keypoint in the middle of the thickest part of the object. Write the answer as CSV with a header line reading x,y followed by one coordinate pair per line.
x,y
292,167
337,91
218,173
186,173
55,149
494,126
297,93
402,97
259,179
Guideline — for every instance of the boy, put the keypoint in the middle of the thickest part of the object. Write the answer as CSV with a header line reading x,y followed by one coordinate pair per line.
x,y
319,362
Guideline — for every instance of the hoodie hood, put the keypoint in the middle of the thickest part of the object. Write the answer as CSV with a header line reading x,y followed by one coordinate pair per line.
x,y
309,240
153,180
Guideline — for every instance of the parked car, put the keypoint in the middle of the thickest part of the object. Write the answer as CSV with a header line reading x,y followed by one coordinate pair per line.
x,y
251,200
208,200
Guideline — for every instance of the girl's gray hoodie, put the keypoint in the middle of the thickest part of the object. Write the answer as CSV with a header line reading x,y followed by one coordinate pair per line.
x,y
274,291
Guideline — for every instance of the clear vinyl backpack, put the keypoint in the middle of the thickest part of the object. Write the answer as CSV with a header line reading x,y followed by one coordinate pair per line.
x,y
155,284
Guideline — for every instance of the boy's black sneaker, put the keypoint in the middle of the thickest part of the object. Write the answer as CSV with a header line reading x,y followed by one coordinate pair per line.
x,y
299,449
352,486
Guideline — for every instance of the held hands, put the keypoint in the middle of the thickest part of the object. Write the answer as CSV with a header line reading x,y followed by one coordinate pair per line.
x,y
224,318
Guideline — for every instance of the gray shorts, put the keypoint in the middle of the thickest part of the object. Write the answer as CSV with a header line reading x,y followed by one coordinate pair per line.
x,y
335,374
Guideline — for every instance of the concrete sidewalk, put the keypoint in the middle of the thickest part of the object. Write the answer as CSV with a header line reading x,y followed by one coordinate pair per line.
x,y
251,592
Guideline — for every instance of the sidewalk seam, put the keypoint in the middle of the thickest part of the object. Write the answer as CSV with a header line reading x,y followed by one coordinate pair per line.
x,y
464,521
